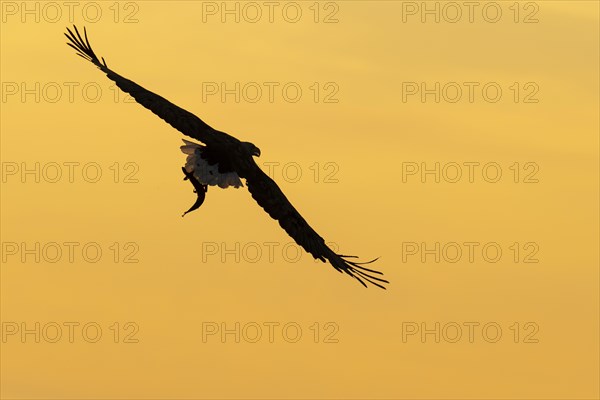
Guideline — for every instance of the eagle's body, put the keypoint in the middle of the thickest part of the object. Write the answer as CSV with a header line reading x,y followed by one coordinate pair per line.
x,y
197,163
223,161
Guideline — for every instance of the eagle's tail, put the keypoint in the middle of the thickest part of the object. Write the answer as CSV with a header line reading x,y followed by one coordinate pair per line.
x,y
356,270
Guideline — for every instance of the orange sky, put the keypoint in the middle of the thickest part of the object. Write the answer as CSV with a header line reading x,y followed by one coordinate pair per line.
x,y
341,99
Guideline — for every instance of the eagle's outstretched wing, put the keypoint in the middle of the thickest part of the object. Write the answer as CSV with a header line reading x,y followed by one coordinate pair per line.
x,y
180,119
268,195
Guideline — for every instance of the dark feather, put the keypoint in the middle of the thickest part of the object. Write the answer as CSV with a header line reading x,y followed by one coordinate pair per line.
x,y
180,119
270,197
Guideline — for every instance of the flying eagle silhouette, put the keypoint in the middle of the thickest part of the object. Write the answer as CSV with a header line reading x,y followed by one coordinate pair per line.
x,y
222,161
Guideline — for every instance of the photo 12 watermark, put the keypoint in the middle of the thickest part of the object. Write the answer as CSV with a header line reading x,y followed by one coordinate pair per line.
x,y
55,12
470,252
470,92
289,92
453,12
470,332
53,92
253,12
270,332
470,172
254,252
70,252
69,332
69,172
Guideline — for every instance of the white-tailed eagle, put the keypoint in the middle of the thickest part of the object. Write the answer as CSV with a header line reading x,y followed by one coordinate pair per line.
x,y
223,161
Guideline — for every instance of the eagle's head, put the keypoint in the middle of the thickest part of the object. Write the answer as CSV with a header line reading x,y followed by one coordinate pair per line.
x,y
251,149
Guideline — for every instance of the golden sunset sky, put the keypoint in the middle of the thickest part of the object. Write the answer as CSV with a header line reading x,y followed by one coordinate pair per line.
x,y
457,143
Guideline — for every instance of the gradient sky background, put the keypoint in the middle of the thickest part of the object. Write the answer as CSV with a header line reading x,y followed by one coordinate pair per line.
x,y
360,201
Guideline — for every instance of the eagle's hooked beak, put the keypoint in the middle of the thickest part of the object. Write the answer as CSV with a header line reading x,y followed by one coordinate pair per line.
x,y
256,152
